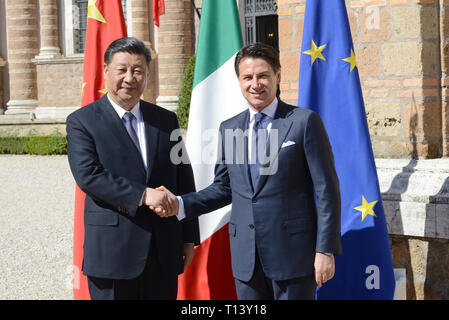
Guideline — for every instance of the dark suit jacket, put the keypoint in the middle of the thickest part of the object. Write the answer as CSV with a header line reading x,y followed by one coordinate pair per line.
x,y
108,167
279,215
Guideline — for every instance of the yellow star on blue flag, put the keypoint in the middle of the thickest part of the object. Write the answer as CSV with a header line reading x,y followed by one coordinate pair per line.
x,y
351,60
366,208
316,52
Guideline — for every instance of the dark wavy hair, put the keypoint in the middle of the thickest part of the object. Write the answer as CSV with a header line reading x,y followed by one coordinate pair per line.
x,y
258,50
130,45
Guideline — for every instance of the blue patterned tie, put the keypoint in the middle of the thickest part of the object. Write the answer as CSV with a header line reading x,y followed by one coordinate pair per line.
x,y
259,137
128,117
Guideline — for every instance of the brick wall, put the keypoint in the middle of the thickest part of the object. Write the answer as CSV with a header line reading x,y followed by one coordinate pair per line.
x,y
59,84
175,38
444,54
397,43
402,49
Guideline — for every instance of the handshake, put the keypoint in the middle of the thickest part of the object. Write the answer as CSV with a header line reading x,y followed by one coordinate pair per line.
x,y
161,201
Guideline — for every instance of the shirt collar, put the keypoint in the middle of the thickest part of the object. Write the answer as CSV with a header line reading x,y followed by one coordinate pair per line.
x,y
121,112
269,111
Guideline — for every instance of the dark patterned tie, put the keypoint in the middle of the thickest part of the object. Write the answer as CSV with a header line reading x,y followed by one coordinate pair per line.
x,y
128,119
259,137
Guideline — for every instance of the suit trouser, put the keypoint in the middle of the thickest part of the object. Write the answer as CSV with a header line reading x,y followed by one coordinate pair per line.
x,y
152,284
260,287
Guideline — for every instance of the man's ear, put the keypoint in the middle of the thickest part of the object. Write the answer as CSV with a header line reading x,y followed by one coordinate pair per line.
x,y
105,69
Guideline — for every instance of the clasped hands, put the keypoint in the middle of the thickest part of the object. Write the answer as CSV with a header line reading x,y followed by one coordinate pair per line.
x,y
165,204
161,201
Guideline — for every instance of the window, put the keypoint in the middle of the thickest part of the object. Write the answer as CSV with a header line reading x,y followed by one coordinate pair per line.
x,y
261,22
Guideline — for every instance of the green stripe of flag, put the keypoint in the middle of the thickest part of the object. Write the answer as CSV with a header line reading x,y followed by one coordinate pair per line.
x,y
220,37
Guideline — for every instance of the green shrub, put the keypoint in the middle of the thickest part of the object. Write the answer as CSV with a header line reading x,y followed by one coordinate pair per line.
x,y
40,145
186,93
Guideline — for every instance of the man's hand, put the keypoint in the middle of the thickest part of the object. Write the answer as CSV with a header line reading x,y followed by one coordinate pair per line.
x,y
160,202
170,205
189,252
324,267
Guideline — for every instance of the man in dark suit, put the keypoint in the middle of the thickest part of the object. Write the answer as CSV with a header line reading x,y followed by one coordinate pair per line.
x,y
282,242
119,150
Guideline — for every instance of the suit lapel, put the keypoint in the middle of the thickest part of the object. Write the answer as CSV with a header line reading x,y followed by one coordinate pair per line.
x,y
113,122
242,123
281,124
152,135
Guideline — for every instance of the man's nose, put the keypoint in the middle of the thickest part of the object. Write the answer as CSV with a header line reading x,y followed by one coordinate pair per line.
x,y
129,76
255,82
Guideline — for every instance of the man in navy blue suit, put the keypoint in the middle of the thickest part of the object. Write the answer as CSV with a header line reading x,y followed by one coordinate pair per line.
x,y
282,241
119,151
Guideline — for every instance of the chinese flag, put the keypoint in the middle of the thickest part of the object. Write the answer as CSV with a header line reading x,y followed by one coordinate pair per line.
x,y
158,10
105,23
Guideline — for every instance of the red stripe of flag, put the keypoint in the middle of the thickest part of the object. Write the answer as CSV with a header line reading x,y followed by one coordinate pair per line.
x,y
209,276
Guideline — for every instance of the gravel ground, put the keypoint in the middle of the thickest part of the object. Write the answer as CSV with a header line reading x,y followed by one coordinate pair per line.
x,y
36,227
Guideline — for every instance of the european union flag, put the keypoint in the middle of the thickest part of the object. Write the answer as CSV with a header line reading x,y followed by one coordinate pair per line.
x,y
329,84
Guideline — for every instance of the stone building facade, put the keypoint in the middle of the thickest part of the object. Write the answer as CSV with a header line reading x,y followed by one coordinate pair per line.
x,y
43,74
402,49
402,54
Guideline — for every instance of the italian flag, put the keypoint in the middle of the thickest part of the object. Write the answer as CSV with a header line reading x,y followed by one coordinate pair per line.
x,y
216,96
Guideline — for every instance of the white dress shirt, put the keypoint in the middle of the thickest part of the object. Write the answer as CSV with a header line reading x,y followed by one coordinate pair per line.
x,y
138,125
269,112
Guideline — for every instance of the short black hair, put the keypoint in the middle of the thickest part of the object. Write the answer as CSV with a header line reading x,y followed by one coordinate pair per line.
x,y
130,45
258,50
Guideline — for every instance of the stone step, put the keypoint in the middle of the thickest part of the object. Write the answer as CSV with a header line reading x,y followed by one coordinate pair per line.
x,y
415,195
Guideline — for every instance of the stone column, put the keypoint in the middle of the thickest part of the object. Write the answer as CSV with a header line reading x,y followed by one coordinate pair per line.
x,y
141,30
2,67
49,31
23,45
174,48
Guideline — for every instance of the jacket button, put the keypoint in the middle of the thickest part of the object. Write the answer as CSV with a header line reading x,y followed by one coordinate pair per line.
x,y
251,226
254,200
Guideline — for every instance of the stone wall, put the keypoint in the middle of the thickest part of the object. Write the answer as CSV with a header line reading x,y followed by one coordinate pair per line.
x,y
402,49
426,263
47,85
397,44
415,195
59,83
175,47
